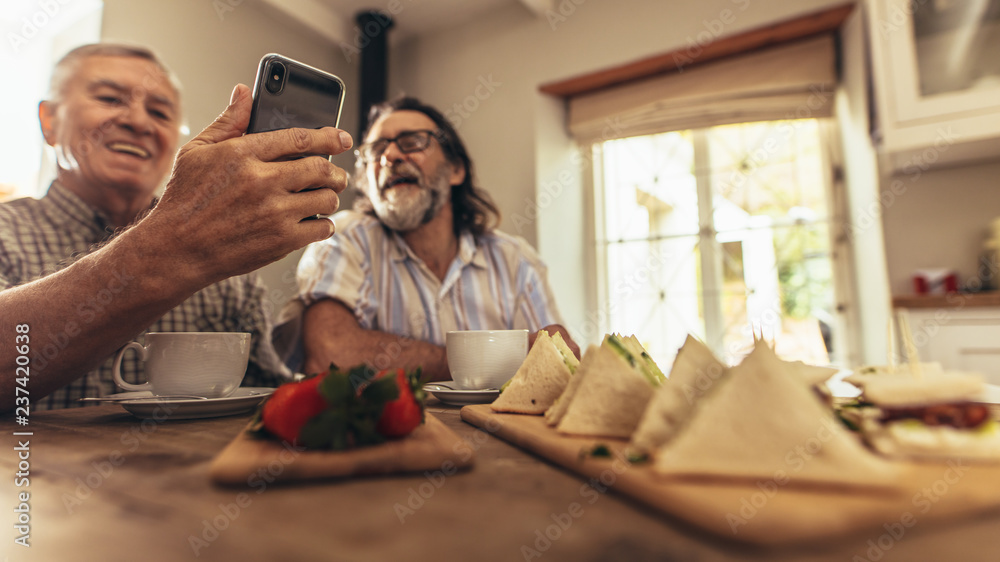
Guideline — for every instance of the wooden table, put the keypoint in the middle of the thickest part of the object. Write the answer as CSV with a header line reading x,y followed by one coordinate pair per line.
x,y
105,485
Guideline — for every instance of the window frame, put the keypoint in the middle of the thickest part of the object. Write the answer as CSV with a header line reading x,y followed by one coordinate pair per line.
x,y
597,293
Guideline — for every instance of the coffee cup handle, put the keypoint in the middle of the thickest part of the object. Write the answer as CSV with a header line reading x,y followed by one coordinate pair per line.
x,y
117,373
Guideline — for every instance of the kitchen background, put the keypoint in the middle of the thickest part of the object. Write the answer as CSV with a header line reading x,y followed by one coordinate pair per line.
x,y
487,69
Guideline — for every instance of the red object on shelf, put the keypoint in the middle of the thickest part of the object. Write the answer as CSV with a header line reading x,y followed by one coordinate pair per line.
x,y
935,281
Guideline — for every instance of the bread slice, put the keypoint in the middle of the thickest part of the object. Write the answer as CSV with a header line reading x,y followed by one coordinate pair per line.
x,y
900,389
912,439
694,373
567,354
557,411
609,398
763,422
540,379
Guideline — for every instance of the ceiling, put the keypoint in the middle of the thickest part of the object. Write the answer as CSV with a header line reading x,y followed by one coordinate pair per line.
x,y
335,19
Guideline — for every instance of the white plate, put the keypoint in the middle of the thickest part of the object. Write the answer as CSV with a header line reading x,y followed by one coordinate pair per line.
x,y
989,395
461,397
145,405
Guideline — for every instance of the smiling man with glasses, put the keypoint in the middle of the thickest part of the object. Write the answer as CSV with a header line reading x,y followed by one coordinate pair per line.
x,y
101,259
418,256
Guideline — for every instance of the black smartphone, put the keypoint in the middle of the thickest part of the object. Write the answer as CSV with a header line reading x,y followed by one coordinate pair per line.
x,y
288,93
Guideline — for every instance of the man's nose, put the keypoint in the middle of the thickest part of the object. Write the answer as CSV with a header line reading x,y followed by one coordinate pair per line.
x,y
391,154
135,117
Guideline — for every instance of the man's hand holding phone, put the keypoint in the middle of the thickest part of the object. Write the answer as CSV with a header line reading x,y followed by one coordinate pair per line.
x,y
289,94
236,202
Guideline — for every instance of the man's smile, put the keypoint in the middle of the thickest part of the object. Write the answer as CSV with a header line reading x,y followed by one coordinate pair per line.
x,y
129,148
396,180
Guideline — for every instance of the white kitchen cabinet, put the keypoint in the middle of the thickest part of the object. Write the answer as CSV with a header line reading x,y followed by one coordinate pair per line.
x,y
936,75
959,339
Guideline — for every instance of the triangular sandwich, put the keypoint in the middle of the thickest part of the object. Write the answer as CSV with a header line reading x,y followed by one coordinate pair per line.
x,y
541,378
926,415
694,373
557,411
616,382
764,422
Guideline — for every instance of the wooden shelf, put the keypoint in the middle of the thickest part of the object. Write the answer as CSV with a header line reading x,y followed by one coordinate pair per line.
x,y
951,300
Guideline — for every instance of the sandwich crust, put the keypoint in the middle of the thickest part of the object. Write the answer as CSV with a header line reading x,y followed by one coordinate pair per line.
x,y
609,399
540,379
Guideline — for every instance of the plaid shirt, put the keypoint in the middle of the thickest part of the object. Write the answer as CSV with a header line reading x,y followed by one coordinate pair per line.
x,y
41,236
496,282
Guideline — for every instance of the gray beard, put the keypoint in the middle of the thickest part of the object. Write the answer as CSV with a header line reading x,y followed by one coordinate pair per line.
x,y
404,218
417,211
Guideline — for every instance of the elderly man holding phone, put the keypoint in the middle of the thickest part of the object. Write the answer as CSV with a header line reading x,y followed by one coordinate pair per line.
x,y
418,257
100,260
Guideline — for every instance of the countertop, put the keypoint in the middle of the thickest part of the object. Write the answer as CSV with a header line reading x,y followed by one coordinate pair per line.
x,y
950,300
105,485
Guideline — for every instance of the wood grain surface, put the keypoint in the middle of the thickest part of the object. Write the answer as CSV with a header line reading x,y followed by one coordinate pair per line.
x,y
430,447
764,512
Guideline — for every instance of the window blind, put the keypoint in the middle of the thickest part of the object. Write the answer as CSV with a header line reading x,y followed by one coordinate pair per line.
x,y
792,80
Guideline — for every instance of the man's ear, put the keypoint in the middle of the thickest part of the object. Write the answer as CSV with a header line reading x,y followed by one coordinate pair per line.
x,y
457,174
47,121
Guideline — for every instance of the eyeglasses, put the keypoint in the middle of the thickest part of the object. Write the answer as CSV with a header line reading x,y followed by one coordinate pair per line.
x,y
408,141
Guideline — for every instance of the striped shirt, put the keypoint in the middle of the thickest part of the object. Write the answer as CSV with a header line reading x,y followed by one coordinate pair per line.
x,y
495,282
41,236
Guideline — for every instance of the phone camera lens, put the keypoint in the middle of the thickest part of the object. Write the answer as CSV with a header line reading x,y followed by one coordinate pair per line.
x,y
275,77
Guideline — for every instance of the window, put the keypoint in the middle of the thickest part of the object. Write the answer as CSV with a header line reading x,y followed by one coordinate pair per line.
x,y
720,232
37,35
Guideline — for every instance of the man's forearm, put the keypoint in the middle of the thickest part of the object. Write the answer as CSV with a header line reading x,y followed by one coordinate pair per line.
x,y
77,317
234,203
331,334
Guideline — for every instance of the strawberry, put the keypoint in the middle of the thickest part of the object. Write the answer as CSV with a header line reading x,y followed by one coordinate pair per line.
x,y
340,410
291,406
404,414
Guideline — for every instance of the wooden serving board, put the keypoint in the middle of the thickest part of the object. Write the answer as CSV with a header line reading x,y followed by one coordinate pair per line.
x,y
763,513
430,447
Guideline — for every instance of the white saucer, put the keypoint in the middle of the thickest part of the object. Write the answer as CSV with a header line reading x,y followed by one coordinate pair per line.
x,y
989,395
461,397
144,405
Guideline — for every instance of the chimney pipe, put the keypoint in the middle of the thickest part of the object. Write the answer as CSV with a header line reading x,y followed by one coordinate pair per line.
x,y
374,28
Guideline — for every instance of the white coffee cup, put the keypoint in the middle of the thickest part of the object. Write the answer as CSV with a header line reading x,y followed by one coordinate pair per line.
x,y
209,364
480,359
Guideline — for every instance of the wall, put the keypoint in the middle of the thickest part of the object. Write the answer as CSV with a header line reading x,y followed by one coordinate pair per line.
x,y
867,280
939,218
486,76
212,46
